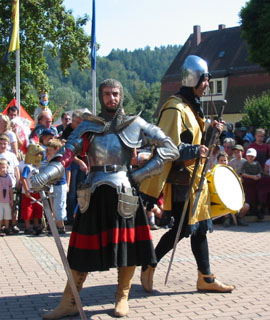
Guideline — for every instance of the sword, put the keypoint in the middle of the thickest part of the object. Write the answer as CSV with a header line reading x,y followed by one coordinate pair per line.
x,y
180,226
48,213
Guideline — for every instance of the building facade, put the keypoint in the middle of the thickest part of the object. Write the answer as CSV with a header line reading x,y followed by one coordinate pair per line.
x,y
234,77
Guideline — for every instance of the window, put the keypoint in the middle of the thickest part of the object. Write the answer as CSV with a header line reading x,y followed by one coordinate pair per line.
x,y
219,87
211,87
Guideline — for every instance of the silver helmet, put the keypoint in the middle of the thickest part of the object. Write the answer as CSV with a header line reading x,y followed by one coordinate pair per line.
x,y
194,70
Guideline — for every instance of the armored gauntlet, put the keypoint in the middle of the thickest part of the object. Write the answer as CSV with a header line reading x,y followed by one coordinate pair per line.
x,y
47,176
165,151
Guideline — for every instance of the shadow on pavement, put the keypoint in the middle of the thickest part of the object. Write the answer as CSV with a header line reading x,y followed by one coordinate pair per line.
x,y
35,306
253,227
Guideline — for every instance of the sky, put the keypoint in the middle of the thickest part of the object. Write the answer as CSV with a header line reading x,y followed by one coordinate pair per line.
x,y
133,24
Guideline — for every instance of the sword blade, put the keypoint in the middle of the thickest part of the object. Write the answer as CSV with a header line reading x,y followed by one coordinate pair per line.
x,y
180,226
48,213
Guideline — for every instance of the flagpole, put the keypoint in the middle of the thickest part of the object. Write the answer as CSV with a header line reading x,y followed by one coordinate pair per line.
x,y
18,82
18,91
94,100
93,57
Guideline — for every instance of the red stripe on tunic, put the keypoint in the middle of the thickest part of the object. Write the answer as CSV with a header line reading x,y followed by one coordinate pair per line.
x,y
93,242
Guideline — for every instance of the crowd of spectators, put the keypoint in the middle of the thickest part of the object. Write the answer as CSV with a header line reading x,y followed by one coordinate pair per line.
x,y
247,151
17,164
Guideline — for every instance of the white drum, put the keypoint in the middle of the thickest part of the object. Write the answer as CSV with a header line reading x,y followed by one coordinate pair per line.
x,y
226,190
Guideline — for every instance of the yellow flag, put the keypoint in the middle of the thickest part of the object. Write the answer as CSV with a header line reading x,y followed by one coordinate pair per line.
x,y
15,41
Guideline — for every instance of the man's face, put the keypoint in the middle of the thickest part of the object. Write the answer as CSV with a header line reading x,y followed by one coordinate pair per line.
x,y
202,87
46,121
66,120
259,138
228,148
111,98
12,114
75,122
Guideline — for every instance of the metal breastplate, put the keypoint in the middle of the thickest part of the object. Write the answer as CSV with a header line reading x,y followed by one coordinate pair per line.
x,y
105,150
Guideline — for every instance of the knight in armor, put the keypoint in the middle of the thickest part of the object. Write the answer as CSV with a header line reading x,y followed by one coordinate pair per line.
x,y
182,119
111,228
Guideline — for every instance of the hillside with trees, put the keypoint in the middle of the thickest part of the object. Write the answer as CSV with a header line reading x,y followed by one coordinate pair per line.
x,y
54,57
43,22
140,72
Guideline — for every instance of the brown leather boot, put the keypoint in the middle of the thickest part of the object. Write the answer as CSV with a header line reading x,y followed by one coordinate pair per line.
x,y
147,278
125,275
215,286
67,305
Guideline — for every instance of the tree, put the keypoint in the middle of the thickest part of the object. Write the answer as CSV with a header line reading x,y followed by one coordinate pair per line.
x,y
255,17
257,111
146,100
42,23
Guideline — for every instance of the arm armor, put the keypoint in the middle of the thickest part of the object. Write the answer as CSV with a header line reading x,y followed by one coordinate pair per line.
x,y
165,151
74,145
47,176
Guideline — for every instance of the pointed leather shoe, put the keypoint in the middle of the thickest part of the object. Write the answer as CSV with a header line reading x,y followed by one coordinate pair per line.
x,y
147,279
215,286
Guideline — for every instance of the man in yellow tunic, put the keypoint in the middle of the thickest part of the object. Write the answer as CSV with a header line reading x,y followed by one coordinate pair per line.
x,y
182,119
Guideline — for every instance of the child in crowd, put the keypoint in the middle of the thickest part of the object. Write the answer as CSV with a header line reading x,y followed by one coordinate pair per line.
x,y
251,169
237,162
60,188
6,197
261,148
13,171
251,173
222,158
45,137
31,210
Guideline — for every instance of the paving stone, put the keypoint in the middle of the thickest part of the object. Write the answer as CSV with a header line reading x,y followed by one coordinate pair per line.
x,y
33,278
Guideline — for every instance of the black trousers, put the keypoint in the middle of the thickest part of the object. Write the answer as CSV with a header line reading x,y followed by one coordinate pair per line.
x,y
199,244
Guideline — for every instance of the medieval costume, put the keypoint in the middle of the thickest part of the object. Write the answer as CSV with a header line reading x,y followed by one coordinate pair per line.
x,y
111,227
181,118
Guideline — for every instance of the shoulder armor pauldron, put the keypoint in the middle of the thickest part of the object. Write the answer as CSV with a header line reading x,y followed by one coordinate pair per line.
x,y
92,125
132,134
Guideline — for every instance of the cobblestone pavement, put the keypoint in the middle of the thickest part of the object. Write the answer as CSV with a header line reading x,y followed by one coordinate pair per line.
x,y
32,279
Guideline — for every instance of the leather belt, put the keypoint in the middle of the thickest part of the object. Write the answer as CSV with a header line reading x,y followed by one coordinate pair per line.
x,y
109,168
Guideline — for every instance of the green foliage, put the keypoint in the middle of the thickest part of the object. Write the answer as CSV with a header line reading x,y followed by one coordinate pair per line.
x,y
55,58
149,65
146,100
44,22
255,17
139,71
257,111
